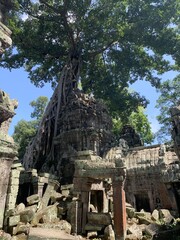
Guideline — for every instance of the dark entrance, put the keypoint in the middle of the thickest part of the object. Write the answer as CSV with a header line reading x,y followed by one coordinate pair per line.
x,y
142,202
96,199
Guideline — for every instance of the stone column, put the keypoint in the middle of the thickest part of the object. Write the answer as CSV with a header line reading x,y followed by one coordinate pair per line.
x,y
7,148
85,204
119,208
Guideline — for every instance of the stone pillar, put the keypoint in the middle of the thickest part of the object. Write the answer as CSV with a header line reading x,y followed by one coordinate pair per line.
x,y
85,204
7,148
119,208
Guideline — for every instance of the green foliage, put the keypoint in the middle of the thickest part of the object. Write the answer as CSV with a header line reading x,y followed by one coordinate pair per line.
x,y
116,42
139,121
24,131
39,105
170,97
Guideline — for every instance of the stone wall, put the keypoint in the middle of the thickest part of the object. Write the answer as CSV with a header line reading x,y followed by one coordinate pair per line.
x,y
7,148
175,114
150,174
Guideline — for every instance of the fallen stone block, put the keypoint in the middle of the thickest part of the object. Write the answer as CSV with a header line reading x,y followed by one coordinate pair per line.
x,y
130,212
32,207
143,220
27,215
13,220
135,230
151,229
62,225
48,214
22,228
93,227
155,215
91,234
4,235
20,208
33,199
99,218
166,216
109,233
20,237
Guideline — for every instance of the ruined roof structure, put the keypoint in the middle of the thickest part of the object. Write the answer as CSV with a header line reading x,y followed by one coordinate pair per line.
x,y
83,124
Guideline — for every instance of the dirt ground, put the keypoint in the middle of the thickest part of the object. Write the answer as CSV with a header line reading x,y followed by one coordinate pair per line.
x,y
50,234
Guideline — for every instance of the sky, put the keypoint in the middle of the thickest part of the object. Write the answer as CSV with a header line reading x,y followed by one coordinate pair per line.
x,y
17,84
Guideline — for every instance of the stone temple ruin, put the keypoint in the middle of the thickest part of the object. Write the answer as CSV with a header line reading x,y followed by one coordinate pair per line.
x,y
85,188
75,178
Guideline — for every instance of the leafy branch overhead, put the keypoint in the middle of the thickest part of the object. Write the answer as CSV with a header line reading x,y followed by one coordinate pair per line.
x,y
113,43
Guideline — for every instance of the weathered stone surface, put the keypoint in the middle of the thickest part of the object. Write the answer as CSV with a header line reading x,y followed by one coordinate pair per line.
x,y
4,235
47,214
144,220
62,225
93,227
33,199
99,218
20,208
151,229
165,215
21,236
26,216
155,215
135,230
130,212
91,234
109,233
83,118
13,220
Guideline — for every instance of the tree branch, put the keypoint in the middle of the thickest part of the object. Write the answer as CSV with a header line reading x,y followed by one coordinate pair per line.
x,y
94,53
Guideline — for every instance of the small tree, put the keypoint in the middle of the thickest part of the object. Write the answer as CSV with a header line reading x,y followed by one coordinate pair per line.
x,y
24,131
139,121
170,97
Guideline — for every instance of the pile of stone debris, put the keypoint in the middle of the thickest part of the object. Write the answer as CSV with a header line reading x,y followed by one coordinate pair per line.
x,y
22,218
159,224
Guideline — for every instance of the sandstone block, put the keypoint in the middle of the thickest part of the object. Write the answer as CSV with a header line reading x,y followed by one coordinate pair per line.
x,y
33,199
22,228
26,216
20,208
155,215
130,212
151,229
93,227
165,215
109,233
91,235
45,215
13,220
99,218
20,237
135,230
143,220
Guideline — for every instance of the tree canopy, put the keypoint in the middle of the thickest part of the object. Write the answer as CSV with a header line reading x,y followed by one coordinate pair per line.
x,y
170,97
107,44
139,121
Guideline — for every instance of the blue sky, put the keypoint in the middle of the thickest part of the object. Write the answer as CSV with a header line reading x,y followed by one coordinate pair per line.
x,y
18,86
